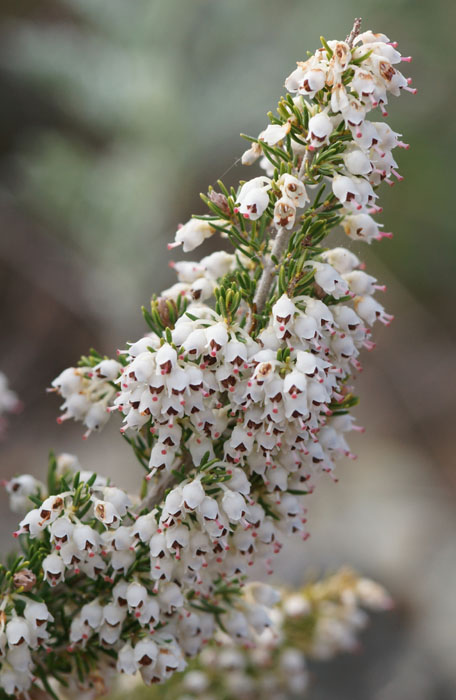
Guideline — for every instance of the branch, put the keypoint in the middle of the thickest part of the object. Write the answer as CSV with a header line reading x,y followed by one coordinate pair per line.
x,y
283,236
264,285
354,32
165,482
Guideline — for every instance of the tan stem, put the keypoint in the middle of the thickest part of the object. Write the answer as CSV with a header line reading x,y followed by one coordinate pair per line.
x,y
279,246
162,484
354,32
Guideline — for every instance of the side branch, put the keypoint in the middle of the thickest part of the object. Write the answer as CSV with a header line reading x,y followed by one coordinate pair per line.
x,y
167,481
354,32
280,244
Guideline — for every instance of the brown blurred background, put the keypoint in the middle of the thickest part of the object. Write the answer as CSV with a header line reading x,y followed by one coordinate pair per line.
x,y
114,115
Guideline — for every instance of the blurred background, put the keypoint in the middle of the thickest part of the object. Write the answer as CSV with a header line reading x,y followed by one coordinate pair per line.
x,y
114,115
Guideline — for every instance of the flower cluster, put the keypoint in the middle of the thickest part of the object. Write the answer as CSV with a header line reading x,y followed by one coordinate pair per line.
x,y
150,598
88,391
9,402
234,402
318,622
20,635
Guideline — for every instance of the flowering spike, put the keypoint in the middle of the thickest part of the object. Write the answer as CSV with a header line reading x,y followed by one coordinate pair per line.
x,y
234,401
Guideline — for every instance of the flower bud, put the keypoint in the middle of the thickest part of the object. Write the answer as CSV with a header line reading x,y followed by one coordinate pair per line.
x,y
24,579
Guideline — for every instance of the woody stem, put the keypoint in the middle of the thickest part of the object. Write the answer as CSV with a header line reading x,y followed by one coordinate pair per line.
x,y
354,32
279,246
166,482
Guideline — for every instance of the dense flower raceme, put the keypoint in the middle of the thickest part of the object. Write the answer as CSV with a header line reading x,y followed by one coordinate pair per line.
x,y
121,570
317,622
9,402
237,398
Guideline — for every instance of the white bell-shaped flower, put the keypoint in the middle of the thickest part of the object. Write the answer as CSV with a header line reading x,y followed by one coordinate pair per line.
x,y
54,569
51,508
32,524
218,264
319,311
86,538
108,369
144,527
264,594
143,366
258,617
370,310
293,189
106,513
357,162
329,280
174,502
361,283
119,593
320,129
61,531
363,82
69,382
158,545
108,635
76,406
346,191
92,614
121,561
341,54
93,566
341,259
369,37
274,133
19,489
177,537
372,595
284,213
14,682
236,624
234,505
292,661
126,661
114,614
18,632
150,612
196,682
361,227
253,197
312,82
251,155
20,659
136,595
193,494
120,540
346,318
192,234
97,416
37,614
239,481
284,310
217,337
170,598
118,498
